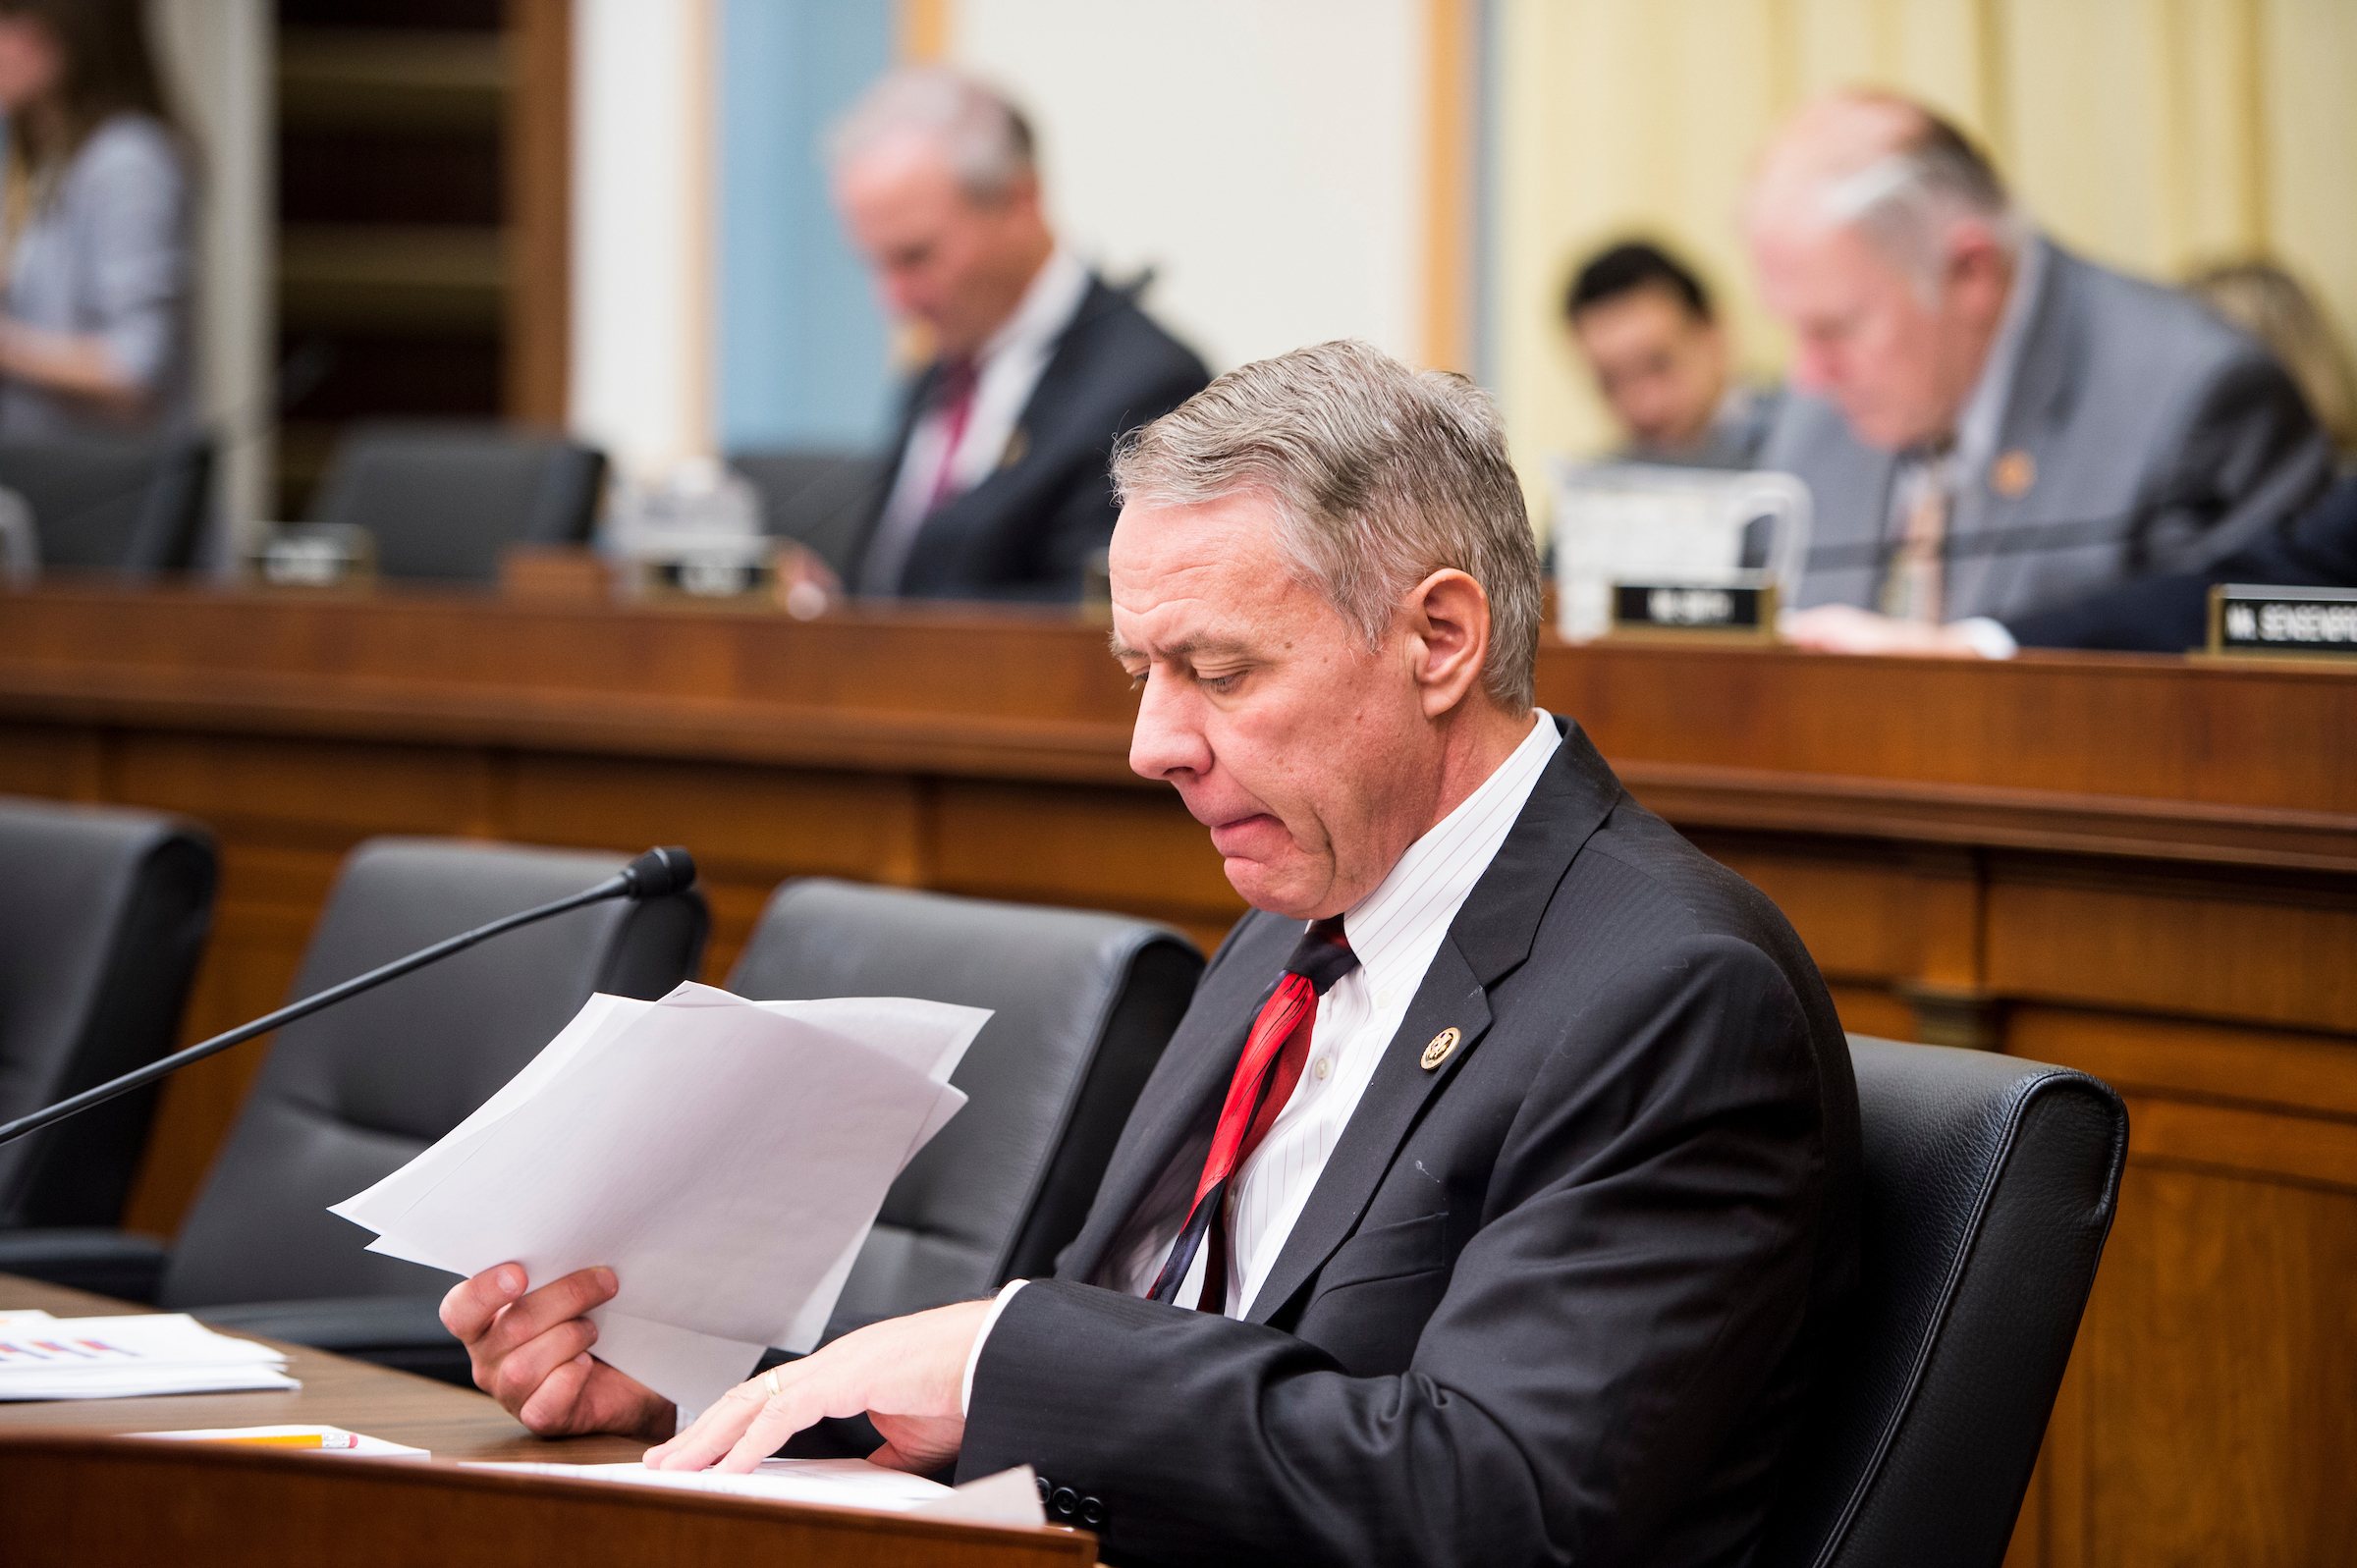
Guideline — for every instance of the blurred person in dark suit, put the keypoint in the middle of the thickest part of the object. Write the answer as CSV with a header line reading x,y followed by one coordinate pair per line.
x,y
1992,428
996,485
93,227
1645,325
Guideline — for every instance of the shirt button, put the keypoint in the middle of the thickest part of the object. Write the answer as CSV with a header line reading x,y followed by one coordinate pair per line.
x,y
1323,1067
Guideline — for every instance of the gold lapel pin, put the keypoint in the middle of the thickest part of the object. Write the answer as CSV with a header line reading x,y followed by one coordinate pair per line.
x,y
1018,445
2012,474
1441,1044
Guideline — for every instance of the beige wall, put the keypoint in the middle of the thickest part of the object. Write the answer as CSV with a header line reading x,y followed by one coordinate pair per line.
x,y
2151,135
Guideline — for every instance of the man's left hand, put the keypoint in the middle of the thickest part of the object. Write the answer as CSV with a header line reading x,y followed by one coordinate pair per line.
x,y
904,1373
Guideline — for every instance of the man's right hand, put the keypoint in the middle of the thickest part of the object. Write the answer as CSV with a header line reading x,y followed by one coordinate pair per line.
x,y
531,1354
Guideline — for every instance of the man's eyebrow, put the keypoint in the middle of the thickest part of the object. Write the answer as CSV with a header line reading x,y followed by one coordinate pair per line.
x,y
1190,648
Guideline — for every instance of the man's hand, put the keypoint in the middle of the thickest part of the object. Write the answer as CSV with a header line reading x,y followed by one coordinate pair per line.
x,y
531,1354
904,1373
1843,628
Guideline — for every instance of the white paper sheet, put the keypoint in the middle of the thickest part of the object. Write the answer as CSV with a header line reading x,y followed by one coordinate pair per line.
x,y
130,1357
332,1440
725,1157
836,1483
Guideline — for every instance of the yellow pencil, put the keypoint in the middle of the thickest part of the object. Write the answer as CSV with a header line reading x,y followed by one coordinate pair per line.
x,y
293,1440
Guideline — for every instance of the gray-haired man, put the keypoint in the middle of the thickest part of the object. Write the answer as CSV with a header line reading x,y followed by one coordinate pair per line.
x,y
1501,1215
995,487
1989,426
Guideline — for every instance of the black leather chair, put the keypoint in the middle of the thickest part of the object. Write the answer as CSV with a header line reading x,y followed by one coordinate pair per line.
x,y
1084,1005
820,497
135,505
352,1094
442,501
1989,1184
105,916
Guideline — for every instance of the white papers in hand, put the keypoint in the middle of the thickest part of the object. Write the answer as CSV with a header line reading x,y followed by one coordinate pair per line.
x,y
130,1357
725,1157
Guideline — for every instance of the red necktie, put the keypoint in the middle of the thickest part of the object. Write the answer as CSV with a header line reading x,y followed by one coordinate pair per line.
x,y
955,398
1265,1076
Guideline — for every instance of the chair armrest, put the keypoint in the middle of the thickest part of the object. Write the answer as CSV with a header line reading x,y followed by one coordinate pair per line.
x,y
122,1263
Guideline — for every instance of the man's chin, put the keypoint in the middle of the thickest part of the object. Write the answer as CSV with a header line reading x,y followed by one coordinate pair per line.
x,y
1289,891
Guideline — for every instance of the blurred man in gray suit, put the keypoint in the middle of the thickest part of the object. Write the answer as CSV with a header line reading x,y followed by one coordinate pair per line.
x,y
1989,426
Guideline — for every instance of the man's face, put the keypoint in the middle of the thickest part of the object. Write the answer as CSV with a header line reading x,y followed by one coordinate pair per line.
x,y
939,255
1305,753
1661,367
1898,369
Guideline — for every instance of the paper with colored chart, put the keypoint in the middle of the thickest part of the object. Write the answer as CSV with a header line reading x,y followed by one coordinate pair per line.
x,y
128,1357
725,1157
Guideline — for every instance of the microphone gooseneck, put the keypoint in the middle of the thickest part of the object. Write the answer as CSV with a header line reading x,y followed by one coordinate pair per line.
x,y
657,874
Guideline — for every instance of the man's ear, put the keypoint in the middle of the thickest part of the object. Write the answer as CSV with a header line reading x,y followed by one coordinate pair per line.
x,y
1448,639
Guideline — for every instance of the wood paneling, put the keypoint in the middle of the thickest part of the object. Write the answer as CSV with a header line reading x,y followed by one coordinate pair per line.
x,y
2144,868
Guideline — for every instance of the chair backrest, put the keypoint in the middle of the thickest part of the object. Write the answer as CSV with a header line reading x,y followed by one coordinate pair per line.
x,y
1989,1185
442,501
820,497
352,1093
134,505
105,915
1084,1005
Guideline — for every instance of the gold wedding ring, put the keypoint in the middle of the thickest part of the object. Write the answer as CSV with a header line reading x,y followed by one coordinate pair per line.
x,y
769,1380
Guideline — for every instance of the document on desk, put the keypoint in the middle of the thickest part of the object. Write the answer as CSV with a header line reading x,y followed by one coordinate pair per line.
x,y
725,1157
128,1357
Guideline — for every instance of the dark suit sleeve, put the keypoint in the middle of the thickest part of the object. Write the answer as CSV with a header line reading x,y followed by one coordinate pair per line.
x,y
2252,456
1642,1267
2171,614
1081,523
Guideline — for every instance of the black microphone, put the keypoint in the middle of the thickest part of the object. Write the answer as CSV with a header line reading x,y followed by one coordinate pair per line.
x,y
657,874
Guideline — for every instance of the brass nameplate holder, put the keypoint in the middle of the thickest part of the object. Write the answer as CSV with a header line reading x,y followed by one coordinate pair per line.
x,y
2249,621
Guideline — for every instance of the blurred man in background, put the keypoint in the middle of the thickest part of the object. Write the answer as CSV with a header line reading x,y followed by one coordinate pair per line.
x,y
1991,427
995,483
1645,325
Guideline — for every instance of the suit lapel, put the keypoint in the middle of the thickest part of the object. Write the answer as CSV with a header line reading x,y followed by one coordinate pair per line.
x,y
1489,938
2031,426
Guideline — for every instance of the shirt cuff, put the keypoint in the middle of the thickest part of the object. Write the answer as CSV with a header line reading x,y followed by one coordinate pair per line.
x,y
965,1387
1988,638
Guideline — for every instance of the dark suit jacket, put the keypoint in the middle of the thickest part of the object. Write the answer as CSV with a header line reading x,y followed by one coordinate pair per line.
x,y
2172,613
1027,531
2158,440
1557,1301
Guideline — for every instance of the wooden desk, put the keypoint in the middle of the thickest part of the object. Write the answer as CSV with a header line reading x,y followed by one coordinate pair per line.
x,y
2143,867
74,1501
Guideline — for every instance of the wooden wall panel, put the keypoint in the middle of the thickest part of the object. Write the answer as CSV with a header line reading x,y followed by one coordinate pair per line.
x,y
2214,949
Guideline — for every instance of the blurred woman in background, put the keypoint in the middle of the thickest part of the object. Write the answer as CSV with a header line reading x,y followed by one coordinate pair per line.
x,y
94,227
2269,304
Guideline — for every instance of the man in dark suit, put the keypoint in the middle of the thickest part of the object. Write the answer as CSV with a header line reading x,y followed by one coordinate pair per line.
x,y
1502,1213
1991,427
995,486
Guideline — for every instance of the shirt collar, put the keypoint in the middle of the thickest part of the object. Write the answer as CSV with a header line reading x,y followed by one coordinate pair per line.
x,y
1981,422
1391,928
1049,303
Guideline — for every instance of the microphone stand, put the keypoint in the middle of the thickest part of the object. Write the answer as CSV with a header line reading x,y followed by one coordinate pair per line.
x,y
654,875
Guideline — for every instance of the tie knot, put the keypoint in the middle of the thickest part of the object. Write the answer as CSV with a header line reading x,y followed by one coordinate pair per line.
x,y
956,382
1323,955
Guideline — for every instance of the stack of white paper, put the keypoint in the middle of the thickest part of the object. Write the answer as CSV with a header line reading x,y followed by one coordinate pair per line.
x,y
725,1157
121,1357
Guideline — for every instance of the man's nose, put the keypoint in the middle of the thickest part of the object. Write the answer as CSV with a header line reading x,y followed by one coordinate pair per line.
x,y
1169,738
